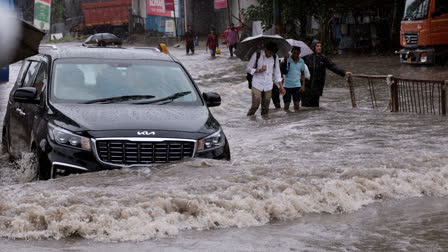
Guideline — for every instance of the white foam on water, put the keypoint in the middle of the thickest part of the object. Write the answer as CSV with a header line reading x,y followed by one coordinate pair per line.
x,y
330,160
142,211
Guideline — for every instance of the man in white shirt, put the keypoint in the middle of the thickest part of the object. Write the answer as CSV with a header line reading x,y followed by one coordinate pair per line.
x,y
266,73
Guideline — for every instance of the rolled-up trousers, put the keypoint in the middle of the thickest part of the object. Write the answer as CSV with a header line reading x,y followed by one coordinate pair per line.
x,y
260,97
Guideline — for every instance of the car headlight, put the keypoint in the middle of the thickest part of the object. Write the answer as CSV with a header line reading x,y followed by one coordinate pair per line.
x,y
211,142
67,138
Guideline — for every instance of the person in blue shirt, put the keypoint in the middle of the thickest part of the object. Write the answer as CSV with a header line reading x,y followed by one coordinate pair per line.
x,y
294,79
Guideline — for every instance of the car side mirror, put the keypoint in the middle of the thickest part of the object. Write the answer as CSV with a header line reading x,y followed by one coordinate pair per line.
x,y
212,99
26,95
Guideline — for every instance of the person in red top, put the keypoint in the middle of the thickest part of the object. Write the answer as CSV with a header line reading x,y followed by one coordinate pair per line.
x,y
212,42
232,38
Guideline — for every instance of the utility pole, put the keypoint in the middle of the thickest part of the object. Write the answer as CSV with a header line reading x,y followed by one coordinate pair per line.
x,y
277,20
185,14
229,11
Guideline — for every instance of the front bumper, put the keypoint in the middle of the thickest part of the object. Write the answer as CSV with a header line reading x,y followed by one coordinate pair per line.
x,y
417,56
66,160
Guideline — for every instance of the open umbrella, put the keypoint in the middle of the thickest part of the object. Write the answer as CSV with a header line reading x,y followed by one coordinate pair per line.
x,y
251,44
304,49
102,39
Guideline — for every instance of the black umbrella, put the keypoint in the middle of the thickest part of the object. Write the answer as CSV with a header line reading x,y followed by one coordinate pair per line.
x,y
28,44
102,39
251,44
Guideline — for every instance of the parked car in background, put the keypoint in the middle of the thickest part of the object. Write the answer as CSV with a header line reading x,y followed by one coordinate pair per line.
x,y
89,109
103,39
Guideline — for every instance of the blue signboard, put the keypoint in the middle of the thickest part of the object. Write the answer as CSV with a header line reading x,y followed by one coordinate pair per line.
x,y
7,3
158,23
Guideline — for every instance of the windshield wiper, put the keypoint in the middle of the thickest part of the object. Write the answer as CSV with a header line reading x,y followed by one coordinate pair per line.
x,y
120,99
168,99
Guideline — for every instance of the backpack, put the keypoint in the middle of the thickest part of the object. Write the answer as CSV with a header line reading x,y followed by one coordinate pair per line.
x,y
249,76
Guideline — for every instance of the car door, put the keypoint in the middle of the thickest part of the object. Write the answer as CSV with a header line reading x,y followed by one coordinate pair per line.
x,y
34,112
18,126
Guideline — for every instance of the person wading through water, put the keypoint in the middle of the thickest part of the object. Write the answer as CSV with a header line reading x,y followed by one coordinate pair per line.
x,y
317,64
189,37
264,76
294,79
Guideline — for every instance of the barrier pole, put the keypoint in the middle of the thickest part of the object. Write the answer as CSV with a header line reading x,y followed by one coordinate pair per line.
x,y
444,97
352,91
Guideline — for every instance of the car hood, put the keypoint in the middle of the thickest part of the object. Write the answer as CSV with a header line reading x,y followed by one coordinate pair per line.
x,y
119,117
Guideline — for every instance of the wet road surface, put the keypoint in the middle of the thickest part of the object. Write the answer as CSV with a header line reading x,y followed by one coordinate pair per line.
x,y
334,178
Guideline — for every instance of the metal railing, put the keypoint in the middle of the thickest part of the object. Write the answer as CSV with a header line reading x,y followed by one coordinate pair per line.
x,y
403,95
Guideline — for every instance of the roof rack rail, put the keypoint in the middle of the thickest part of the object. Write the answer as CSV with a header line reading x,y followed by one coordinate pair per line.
x,y
49,46
146,48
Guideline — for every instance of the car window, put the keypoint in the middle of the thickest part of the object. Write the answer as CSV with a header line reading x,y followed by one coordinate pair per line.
x,y
22,72
31,73
83,81
41,78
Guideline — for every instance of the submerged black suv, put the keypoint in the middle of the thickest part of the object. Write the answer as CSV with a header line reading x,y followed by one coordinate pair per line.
x,y
90,109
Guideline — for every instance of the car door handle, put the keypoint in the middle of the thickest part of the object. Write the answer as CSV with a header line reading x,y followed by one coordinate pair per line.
x,y
20,112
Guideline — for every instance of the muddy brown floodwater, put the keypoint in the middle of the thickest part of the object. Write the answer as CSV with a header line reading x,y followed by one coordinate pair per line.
x,y
328,179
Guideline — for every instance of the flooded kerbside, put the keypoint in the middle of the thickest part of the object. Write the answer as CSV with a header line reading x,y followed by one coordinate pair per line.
x,y
333,178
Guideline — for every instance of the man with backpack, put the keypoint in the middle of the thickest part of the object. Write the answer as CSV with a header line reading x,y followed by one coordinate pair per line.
x,y
265,71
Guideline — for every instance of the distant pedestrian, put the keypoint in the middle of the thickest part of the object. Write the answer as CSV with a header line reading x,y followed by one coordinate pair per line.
x,y
294,79
264,76
232,38
189,37
212,42
317,64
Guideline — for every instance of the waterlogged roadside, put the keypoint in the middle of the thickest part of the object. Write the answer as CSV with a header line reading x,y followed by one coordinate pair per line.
x,y
329,179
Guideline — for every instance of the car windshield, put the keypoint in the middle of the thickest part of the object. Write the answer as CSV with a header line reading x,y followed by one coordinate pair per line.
x,y
416,9
113,81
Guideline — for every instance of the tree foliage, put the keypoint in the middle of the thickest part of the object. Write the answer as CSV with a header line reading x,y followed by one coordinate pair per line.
x,y
57,11
295,16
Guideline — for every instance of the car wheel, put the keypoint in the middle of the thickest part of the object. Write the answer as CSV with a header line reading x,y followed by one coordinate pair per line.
x,y
4,147
43,166
227,151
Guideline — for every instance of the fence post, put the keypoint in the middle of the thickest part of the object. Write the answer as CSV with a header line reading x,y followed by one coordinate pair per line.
x,y
393,92
352,91
444,97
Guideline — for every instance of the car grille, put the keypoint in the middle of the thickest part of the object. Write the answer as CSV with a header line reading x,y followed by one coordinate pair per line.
x,y
411,39
123,152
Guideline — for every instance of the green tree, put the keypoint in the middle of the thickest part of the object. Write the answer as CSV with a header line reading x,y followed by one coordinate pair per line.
x,y
57,11
294,15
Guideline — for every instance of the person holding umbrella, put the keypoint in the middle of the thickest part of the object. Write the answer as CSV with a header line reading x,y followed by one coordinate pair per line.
x,y
294,79
284,67
264,75
318,63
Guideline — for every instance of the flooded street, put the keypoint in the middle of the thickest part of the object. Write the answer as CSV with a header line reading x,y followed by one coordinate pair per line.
x,y
328,179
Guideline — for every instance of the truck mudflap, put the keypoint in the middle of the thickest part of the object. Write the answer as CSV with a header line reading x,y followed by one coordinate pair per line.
x,y
424,56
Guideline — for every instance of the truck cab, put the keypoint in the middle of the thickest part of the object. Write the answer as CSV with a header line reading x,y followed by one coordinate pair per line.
x,y
424,32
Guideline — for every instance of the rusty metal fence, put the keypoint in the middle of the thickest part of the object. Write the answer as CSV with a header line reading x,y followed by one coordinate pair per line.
x,y
398,94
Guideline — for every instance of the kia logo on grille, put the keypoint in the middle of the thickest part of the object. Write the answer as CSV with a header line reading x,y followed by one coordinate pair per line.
x,y
145,133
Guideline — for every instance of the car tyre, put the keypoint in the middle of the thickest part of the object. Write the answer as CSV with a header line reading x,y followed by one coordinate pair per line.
x,y
43,166
4,146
